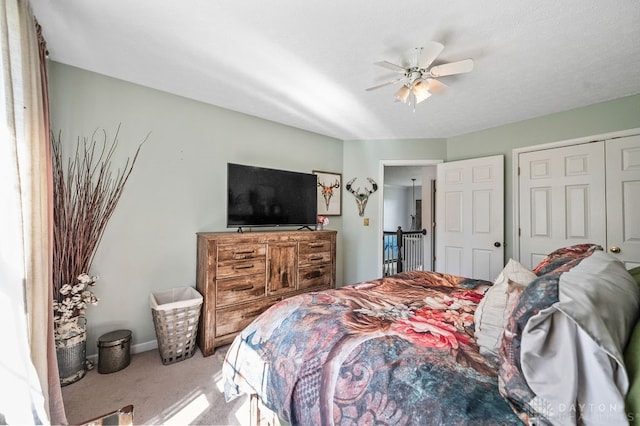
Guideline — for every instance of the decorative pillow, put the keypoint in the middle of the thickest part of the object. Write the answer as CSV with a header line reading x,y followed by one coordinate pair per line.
x,y
493,311
562,351
563,255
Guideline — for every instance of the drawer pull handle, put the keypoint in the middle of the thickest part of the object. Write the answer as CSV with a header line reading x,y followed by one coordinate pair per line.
x,y
243,267
243,288
252,313
244,252
315,257
313,245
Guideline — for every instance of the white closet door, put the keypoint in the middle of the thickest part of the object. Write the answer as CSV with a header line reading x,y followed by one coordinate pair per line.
x,y
562,199
623,199
470,217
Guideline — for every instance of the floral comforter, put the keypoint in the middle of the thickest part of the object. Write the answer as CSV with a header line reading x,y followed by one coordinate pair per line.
x,y
398,350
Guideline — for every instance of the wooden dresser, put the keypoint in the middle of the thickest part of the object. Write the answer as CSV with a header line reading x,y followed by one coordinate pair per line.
x,y
241,274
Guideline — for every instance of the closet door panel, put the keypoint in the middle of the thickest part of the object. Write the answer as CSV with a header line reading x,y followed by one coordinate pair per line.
x,y
623,199
562,191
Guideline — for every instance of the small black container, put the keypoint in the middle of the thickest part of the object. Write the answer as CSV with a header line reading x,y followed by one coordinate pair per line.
x,y
114,351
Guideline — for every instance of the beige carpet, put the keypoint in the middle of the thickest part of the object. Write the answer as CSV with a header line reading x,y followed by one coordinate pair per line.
x,y
187,392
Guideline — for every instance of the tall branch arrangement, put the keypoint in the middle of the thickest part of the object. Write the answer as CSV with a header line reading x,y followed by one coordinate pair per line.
x,y
85,194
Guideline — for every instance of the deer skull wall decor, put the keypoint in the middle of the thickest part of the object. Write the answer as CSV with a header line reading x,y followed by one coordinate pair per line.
x,y
327,191
362,197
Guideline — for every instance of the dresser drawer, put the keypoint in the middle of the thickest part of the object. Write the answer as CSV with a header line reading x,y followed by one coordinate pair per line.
x,y
234,319
241,252
239,268
239,289
314,246
314,258
314,276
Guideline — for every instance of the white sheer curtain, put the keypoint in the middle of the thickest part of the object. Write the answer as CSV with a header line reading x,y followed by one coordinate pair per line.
x,y
28,370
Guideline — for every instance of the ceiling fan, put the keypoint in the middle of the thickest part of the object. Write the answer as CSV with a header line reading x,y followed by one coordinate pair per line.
x,y
418,76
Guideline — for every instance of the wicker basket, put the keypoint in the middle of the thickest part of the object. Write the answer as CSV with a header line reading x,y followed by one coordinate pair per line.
x,y
175,316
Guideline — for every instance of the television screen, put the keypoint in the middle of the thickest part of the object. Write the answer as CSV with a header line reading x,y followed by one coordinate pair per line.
x,y
258,196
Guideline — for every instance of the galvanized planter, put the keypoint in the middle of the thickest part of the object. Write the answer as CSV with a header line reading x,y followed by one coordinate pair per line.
x,y
71,348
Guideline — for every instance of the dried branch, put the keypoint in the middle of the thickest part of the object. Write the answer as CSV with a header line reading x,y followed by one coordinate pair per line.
x,y
85,195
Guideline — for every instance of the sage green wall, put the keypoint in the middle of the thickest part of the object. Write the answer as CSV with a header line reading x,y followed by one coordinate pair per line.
x,y
362,160
177,188
178,185
605,117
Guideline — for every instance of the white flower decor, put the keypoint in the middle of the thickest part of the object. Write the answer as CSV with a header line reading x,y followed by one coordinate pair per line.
x,y
74,298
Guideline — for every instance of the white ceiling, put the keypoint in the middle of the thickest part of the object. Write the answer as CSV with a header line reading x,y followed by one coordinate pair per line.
x,y
307,64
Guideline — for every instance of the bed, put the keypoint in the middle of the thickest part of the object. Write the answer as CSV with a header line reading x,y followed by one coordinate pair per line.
x,y
428,348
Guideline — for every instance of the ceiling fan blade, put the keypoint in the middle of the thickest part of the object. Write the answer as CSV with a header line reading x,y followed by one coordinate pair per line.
x,y
429,53
452,68
385,84
435,86
390,66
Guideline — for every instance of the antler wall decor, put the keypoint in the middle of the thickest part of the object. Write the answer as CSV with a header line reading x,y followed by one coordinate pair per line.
x,y
327,191
362,197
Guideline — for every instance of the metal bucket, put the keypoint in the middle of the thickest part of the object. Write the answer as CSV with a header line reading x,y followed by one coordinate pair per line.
x,y
71,352
114,352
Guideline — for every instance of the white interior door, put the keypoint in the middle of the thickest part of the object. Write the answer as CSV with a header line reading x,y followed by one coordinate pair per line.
x,y
470,217
623,199
562,199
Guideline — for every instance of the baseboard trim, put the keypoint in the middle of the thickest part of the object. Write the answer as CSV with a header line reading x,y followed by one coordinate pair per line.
x,y
144,346
135,349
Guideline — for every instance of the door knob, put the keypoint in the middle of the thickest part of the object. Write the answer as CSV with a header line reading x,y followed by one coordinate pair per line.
x,y
497,244
614,249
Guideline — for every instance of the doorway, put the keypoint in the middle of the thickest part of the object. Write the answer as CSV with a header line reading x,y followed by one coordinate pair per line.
x,y
407,199
470,200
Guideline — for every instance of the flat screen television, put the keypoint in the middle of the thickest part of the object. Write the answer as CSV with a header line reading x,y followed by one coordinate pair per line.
x,y
258,196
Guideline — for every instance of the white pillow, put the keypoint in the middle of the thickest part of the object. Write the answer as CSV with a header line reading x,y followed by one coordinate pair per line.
x,y
493,311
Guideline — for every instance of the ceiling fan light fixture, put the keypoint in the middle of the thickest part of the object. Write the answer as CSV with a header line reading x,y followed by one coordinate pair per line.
x,y
420,91
403,94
